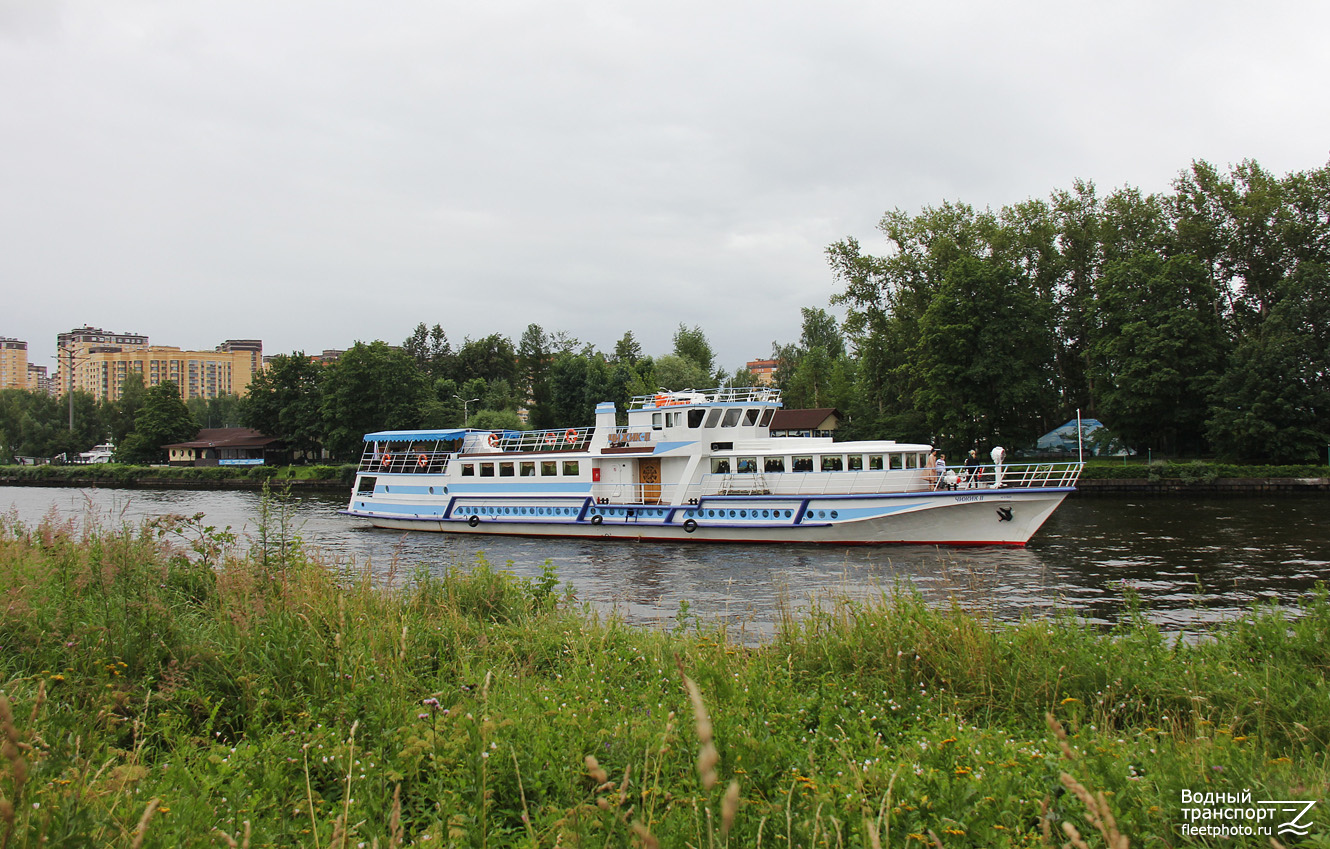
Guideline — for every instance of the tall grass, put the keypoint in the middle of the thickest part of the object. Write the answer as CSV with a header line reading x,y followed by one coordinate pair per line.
x,y
168,684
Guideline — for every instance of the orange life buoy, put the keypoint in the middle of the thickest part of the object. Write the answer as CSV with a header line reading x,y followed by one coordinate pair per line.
x,y
494,440
549,439
386,461
571,436
422,461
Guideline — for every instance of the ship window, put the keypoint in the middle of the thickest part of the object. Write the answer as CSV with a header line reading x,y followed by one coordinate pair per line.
x,y
731,417
487,470
923,461
570,467
657,421
713,417
766,417
775,464
750,417
720,465
549,468
695,417
366,485
833,464
803,464
746,465
505,470
855,462
875,462
673,419
911,461
527,470
897,461
468,470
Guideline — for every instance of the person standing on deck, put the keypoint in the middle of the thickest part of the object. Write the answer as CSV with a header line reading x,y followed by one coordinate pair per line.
x,y
972,470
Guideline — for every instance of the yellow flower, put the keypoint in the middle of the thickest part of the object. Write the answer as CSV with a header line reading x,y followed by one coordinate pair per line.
x,y
1071,700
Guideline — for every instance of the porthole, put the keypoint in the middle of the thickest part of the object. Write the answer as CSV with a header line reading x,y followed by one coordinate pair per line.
x,y
834,514
743,514
810,514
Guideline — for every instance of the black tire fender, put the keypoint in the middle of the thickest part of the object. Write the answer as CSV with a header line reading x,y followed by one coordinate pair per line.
x,y
689,525
473,521
597,519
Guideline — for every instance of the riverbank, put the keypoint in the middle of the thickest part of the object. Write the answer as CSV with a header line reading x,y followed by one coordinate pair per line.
x,y
1163,478
162,681
115,475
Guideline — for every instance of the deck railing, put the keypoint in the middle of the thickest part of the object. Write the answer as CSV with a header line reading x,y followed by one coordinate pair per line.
x,y
719,395
804,484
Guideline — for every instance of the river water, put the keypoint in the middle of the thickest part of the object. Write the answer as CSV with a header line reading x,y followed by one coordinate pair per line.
x,y
1192,561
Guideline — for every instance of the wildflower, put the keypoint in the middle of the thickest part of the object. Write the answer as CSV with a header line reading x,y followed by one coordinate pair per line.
x,y
1071,700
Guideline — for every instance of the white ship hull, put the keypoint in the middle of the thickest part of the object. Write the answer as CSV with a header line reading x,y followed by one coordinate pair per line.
x,y
990,517
696,467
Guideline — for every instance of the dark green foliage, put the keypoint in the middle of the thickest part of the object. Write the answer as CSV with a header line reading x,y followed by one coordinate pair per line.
x,y
1155,350
285,400
985,358
370,387
162,420
1141,299
1273,402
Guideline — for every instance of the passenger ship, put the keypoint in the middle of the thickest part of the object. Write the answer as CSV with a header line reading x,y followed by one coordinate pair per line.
x,y
695,465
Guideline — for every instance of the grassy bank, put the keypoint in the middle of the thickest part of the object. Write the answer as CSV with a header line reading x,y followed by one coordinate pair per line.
x,y
117,474
164,687
1193,471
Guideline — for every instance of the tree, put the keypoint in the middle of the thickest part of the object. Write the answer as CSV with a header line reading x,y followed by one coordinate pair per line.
x,y
431,351
161,421
985,357
1273,402
285,400
221,411
692,345
123,413
370,388
674,372
491,358
627,350
1156,350
533,362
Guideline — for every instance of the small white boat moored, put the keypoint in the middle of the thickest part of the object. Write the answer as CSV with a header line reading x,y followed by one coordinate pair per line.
x,y
695,465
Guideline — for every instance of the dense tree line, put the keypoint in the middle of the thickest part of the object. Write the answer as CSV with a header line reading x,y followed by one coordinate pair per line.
x,y
139,423
1196,321
483,383
1191,322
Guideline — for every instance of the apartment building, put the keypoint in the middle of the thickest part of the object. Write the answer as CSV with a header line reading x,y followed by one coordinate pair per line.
x,y
101,371
13,363
764,371
97,361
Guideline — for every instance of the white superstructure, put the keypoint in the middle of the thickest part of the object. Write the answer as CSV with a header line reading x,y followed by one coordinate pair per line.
x,y
695,465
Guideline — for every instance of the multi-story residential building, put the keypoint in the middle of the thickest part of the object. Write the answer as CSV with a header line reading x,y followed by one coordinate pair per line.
x,y
38,381
13,363
253,346
101,371
97,361
75,346
764,371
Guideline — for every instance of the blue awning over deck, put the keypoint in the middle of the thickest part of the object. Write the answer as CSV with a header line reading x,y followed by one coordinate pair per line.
x,y
416,435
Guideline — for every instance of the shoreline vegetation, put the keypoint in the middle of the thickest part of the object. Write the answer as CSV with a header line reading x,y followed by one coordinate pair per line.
x,y
169,684
1099,476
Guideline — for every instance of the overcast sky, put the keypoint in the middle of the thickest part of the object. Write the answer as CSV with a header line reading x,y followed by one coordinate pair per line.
x,y
316,173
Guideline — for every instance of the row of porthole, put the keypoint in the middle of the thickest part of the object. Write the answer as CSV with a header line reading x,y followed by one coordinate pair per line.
x,y
765,514
637,511
710,514
525,511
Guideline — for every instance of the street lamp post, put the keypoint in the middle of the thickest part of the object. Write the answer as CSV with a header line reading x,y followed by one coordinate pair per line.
x,y
465,415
